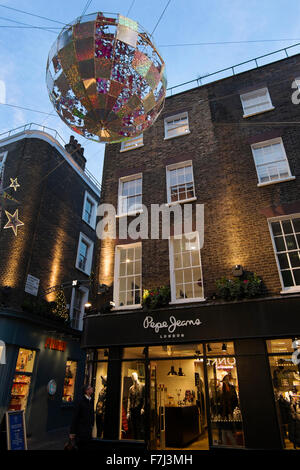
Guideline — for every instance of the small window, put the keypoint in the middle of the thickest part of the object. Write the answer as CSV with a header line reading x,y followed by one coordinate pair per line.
x,y
185,268
271,161
69,382
180,182
176,125
256,102
22,380
128,275
133,143
286,242
84,254
80,296
89,210
130,194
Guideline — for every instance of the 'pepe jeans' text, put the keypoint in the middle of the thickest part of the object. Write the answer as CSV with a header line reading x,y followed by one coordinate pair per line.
x,y
171,326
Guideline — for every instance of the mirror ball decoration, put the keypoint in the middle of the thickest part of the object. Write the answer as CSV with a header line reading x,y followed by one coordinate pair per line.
x,y
105,77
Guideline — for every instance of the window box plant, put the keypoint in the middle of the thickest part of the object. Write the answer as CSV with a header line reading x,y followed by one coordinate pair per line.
x,y
156,298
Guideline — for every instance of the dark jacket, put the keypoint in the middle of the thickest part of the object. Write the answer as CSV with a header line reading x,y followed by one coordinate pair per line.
x,y
294,429
83,419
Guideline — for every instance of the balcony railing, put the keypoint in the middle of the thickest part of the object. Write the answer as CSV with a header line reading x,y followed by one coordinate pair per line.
x,y
236,69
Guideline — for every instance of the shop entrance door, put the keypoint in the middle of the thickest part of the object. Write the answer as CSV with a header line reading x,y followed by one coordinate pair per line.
x,y
178,405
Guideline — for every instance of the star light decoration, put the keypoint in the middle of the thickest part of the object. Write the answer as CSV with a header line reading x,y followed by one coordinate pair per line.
x,y
13,221
106,78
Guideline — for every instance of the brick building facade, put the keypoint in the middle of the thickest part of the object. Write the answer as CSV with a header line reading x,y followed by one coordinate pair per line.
x,y
56,202
232,146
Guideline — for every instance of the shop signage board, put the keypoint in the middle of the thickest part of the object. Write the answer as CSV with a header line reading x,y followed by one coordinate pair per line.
x,y
32,285
56,344
16,430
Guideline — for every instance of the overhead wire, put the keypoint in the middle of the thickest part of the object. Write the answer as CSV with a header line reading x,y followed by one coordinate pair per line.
x,y
161,16
31,14
130,8
26,24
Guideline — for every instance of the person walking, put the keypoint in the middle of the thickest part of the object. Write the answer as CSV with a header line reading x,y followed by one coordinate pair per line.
x,y
83,420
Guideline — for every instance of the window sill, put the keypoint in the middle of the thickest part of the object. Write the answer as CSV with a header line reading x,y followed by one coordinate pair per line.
x,y
291,290
126,307
92,226
181,202
87,273
290,178
179,135
245,116
133,148
185,301
129,214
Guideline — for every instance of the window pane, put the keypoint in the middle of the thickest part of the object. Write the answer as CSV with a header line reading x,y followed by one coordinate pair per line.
x,y
276,228
296,223
19,392
295,259
287,226
287,278
279,242
122,298
283,261
198,291
122,284
296,273
179,276
180,291
189,291
291,242
186,260
25,361
188,275
177,261
282,345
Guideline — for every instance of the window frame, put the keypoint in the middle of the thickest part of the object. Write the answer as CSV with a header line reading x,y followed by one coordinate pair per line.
x,y
268,143
92,223
172,274
89,257
291,289
172,118
85,297
140,143
125,179
175,166
248,114
116,293
4,158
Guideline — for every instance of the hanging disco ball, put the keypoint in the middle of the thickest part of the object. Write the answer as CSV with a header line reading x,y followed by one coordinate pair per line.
x,y
105,77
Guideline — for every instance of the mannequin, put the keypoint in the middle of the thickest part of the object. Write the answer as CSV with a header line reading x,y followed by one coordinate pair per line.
x,y
135,409
229,399
100,407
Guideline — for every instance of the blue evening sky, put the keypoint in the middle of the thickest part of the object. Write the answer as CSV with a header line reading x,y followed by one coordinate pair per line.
x,y
23,52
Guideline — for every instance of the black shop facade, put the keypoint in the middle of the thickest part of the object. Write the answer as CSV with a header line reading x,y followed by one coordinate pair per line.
x,y
215,376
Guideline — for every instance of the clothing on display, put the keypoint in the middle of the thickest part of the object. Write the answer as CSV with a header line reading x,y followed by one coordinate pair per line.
x,y
135,409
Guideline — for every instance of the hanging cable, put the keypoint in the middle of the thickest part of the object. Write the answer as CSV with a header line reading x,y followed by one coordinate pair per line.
x,y
31,14
24,24
132,3
87,5
160,18
227,42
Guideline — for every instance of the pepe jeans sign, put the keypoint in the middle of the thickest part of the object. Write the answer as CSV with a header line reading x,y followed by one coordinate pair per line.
x,y
172,328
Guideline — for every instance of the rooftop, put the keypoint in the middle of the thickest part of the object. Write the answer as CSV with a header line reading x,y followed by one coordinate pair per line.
x,y
251,64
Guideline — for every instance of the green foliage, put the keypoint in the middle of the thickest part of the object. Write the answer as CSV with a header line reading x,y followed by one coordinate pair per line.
x,y
156,298
247,286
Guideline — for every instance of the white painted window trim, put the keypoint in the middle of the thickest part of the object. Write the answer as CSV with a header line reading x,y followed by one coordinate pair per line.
x,y
116,278
140,143
169,118
85,298
291,289
172,276
87,196
89,261
122,180
247,114
4,158
175,166
267,143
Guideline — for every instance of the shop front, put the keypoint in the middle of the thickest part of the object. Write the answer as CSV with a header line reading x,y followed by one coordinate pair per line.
x,y
42,373
197,378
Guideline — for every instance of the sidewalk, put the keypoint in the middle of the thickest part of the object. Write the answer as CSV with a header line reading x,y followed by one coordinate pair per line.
x,y
53,440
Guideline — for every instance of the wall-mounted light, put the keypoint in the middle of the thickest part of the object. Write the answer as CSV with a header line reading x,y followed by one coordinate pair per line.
x,y
224,347
172,371
208,348
237,270
74,283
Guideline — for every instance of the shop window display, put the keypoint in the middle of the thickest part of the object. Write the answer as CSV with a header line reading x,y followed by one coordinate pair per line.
x,y
22,380
100,398
133,401
283,359
69,382
225,413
